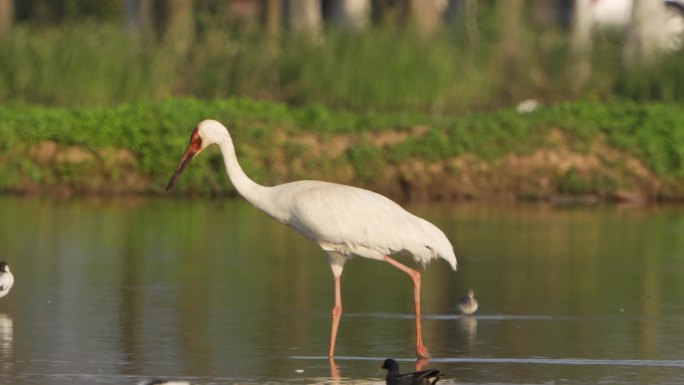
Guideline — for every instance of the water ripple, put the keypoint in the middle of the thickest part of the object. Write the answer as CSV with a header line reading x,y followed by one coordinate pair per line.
x,y
524,361
494,317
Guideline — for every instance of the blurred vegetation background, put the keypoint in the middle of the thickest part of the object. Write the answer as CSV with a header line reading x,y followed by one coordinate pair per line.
x,y
439,57
434,63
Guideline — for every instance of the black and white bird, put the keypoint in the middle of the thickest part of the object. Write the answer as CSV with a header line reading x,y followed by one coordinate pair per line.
x,y
467,304
6,279
423,377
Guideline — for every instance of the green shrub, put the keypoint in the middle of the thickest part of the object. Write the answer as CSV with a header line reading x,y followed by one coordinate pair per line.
x,y
156,133
366,161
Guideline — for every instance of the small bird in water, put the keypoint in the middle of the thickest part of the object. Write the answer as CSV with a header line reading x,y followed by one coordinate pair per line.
x,y
467,304
6,279
423,377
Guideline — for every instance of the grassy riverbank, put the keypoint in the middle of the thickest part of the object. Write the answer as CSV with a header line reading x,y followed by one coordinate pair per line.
x,y
608,150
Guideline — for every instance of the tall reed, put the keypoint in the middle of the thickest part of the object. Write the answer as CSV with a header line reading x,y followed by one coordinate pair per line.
x,y
385,68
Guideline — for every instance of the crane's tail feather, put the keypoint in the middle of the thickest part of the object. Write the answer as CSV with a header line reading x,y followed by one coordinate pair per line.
x,y
436,245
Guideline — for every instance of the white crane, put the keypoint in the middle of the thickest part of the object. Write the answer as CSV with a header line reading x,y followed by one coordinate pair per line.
x,y
343,220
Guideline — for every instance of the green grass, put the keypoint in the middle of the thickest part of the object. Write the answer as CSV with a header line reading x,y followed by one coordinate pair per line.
x,y
156,132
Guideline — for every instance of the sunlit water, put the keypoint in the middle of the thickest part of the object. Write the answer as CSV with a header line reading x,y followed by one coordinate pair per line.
x,y
114,292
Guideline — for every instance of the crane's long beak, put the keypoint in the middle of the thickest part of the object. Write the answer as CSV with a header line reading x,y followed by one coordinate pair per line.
x,y
187,157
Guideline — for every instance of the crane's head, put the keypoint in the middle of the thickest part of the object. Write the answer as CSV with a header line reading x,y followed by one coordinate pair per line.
x,y
4,267
205,134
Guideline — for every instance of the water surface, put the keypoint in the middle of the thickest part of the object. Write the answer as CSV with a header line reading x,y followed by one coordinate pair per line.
x,y
116,291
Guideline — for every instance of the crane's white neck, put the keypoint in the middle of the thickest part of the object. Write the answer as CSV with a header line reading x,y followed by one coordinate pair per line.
x,y
255,193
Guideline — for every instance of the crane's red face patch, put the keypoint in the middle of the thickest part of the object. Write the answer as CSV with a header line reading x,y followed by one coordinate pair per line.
x,y
195,141
193,148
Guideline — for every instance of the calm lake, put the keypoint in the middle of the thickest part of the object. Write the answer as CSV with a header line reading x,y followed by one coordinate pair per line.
x,y
213,291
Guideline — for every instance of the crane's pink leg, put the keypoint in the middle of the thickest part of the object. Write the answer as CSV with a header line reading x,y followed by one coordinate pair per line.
x,y
336,313
421,350
334,371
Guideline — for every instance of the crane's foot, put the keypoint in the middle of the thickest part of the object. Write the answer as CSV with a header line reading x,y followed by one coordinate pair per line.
x,y
334,369
420,364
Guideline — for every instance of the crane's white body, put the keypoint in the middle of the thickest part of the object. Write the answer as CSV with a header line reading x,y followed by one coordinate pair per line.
x,y
343,220
6,281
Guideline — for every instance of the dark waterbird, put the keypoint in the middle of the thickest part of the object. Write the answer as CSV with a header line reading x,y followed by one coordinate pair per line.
x,y
159,381
423,377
